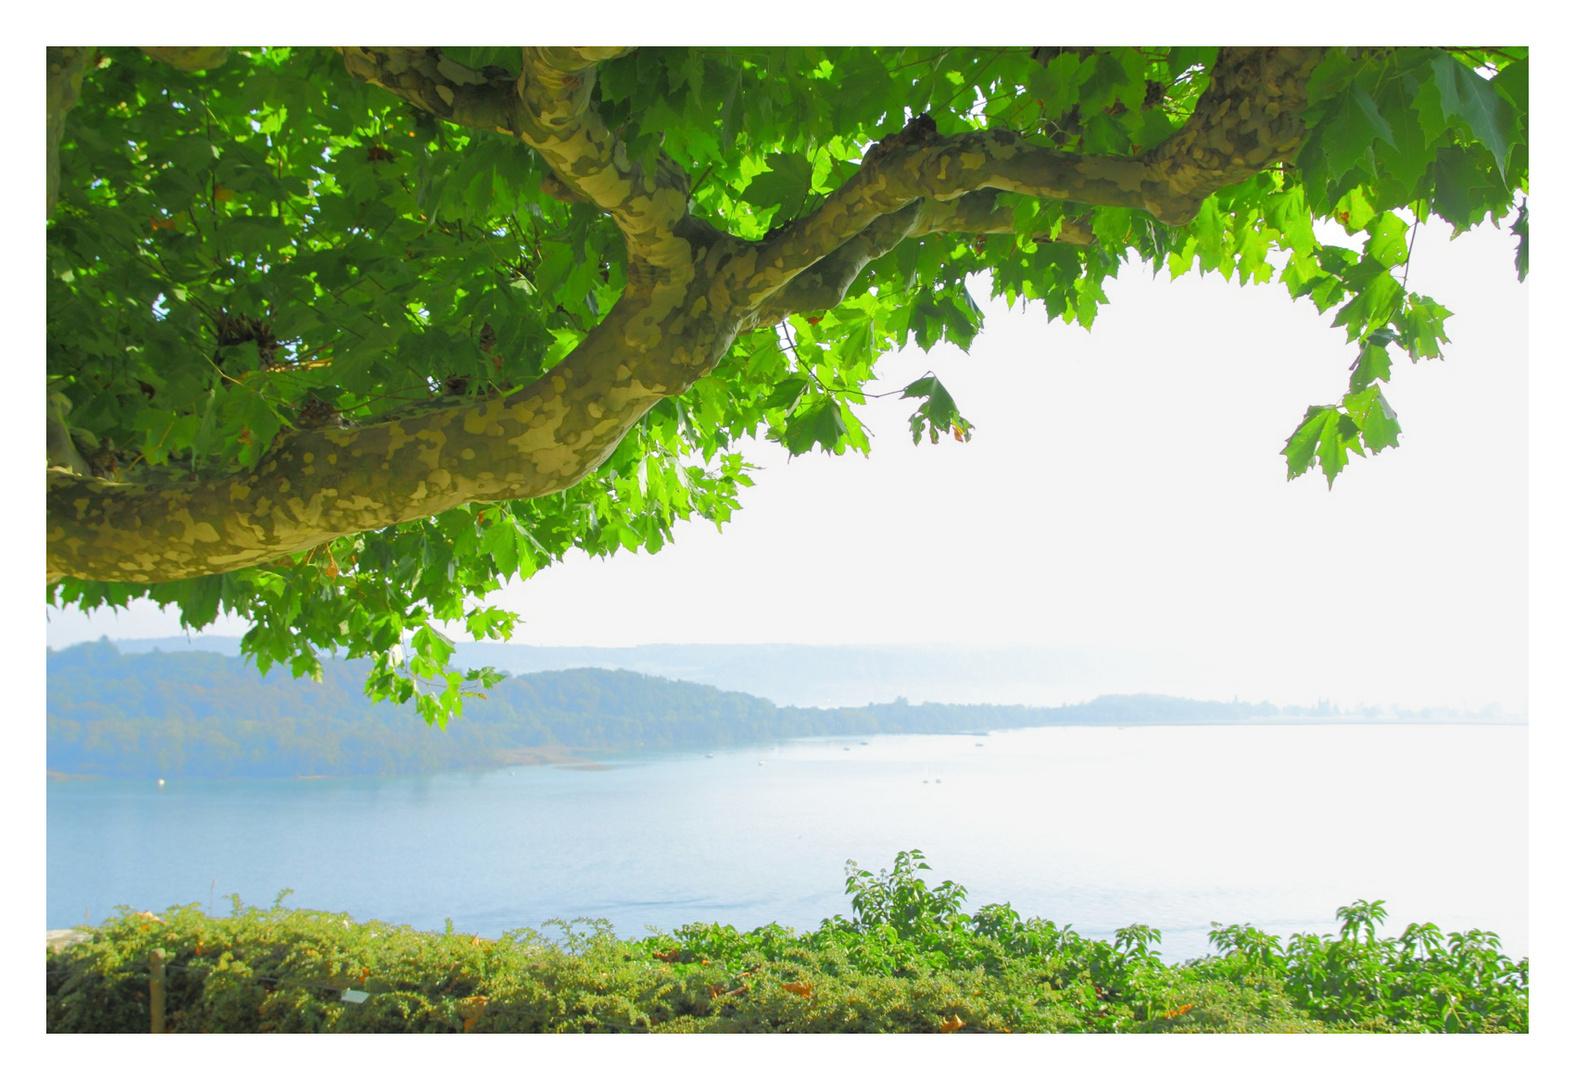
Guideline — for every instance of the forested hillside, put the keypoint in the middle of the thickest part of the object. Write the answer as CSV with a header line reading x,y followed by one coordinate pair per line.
x,y
199,714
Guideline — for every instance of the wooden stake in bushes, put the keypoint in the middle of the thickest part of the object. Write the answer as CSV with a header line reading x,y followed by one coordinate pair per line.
x,y
156,989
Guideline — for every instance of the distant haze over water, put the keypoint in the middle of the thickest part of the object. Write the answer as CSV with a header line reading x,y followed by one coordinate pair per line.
x,y
829,676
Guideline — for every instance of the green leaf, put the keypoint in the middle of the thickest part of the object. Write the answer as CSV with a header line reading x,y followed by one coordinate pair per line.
x,y
1386,242
1373,418
785,183
1466,96
1349,131
1337,438
1420,324
1287,213
938,415
786,393
1403,159
1375,303
1303,443
819,425
1522,229
501,541
1372,364
857,348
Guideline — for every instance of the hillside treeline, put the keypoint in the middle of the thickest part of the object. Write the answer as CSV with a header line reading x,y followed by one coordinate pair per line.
x,y
198,714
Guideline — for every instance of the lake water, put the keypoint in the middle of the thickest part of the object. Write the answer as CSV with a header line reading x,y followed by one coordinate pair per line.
x,y
1098,828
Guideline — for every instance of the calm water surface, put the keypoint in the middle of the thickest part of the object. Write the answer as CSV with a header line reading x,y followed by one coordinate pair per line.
x,y
1094,827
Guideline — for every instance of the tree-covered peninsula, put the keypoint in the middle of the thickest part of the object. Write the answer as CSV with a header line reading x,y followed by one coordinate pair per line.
x,y
200,714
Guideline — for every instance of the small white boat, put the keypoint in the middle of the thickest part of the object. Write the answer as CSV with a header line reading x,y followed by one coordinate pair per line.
x,y
161,781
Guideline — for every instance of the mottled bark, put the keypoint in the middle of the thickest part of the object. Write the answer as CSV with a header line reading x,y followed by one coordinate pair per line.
x,y
313,486
64,67
691,289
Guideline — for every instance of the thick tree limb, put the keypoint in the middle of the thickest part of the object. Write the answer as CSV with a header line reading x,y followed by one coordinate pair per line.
x,y
317,485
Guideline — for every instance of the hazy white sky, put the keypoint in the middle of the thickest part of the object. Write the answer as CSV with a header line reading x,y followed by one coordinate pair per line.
x,y
1124,488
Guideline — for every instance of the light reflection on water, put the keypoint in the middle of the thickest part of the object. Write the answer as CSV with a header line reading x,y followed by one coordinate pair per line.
x,y
1093,827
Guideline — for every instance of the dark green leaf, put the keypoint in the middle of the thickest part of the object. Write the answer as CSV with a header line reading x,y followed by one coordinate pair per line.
x,y
819,425
785,183
1466,96
1522,229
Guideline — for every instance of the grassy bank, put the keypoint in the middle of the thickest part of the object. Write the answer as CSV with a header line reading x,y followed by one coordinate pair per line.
x,y
909,960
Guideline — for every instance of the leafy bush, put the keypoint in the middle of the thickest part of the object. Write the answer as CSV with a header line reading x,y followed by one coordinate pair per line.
x,y
909,960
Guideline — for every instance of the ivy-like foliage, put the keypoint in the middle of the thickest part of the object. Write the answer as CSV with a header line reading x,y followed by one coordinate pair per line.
x,y
339,341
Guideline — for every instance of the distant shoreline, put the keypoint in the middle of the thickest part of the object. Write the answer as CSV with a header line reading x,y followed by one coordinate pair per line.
x,y
584,759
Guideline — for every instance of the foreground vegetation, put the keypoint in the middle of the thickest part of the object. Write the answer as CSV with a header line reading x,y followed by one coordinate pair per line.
x,y
909,960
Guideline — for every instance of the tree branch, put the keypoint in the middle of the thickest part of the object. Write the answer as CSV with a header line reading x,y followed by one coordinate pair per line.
x,y
64,67
548,108
1249,117
433,83
825,284
556,120
312,486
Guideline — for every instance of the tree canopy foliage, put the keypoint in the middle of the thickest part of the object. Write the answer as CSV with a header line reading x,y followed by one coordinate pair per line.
x,y
339,340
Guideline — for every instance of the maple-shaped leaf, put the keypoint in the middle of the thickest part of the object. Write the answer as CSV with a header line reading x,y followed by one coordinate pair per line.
x,y
1466,96
819,425
784,184
938,414
786,393
1303,443
1372,364
1349,131
1337,439
1373,418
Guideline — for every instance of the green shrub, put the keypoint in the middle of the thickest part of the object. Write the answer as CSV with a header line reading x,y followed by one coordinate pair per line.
x,y
909,960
